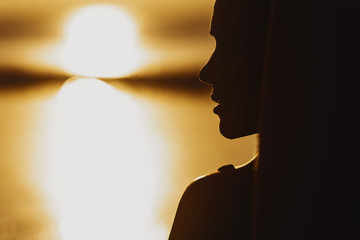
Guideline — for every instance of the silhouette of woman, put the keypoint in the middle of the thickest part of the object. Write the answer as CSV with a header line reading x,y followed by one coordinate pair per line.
x,y
271,73
219,205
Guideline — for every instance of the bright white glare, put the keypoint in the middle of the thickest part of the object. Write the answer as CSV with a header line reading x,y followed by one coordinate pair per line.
x,y
101,41
105,166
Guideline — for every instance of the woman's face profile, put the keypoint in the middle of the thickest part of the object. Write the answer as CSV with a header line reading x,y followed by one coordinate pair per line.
x,y
235,89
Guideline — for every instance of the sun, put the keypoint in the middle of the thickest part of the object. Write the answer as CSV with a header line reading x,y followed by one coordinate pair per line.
x,y
101,41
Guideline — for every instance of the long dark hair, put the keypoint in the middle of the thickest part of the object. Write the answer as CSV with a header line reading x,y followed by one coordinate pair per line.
x,y
294,179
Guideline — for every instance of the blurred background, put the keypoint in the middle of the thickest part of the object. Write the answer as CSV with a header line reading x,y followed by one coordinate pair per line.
x,y
103,120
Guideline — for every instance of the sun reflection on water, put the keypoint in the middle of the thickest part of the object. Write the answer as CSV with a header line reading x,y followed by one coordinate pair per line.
x,y
106,166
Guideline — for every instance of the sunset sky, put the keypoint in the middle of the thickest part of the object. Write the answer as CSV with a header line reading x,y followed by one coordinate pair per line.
x,y
175,32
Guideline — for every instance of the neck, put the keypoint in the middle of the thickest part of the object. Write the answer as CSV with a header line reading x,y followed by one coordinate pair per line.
x,y
256,145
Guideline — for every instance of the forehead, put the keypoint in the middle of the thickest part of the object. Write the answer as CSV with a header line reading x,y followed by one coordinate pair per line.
x,y
226,17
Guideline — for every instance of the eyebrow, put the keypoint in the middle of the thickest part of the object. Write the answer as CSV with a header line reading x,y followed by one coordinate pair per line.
x,y
213,28
212,31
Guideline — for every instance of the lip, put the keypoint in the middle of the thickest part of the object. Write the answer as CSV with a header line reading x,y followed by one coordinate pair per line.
x,y
215,98
218,109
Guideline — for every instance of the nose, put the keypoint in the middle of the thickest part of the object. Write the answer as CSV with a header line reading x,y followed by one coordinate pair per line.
x,y
205,75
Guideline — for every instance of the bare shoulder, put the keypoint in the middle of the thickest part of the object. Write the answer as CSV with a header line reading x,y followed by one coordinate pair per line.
x,y
211,200
227,174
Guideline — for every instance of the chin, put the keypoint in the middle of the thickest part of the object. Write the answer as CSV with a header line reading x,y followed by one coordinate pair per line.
x,y
232,130
227,133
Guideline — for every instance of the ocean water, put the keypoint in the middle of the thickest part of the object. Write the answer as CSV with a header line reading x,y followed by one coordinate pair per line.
x,y
95,160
